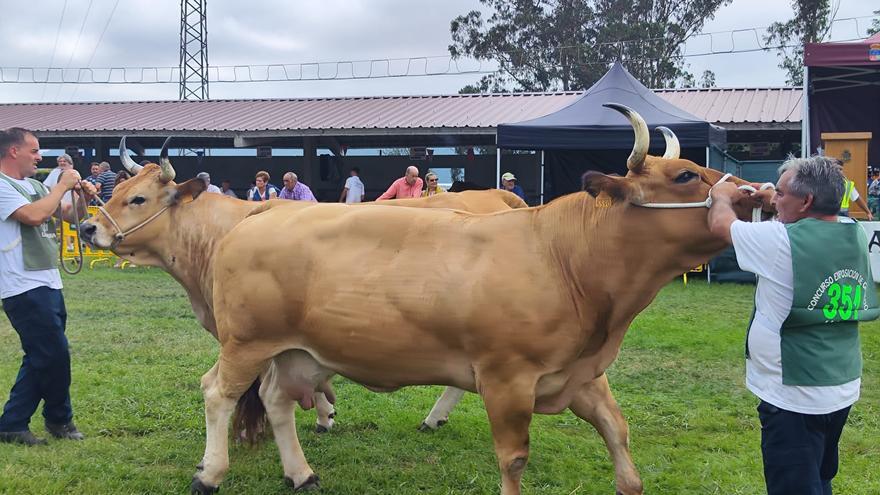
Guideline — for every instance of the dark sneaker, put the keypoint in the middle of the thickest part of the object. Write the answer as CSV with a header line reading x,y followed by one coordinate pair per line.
x,y
66,431
23,437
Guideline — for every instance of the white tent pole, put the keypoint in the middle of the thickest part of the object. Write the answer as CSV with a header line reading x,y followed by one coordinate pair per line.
x,y
707,157
805,118
497,163
542,177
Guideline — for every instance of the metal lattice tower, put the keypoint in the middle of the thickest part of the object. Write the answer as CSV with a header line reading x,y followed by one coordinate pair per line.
x,y
193,50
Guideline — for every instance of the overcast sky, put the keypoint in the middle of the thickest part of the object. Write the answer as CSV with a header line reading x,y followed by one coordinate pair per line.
x,y
145,33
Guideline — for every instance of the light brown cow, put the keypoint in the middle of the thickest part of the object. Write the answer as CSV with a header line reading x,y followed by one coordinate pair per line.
x,y
538,301
183,241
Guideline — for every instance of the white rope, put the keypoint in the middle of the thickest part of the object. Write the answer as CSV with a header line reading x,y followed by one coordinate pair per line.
x,y
707,203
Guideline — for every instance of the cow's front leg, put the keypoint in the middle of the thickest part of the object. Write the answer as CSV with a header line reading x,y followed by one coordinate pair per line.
x,y
509,402
595,404
326,413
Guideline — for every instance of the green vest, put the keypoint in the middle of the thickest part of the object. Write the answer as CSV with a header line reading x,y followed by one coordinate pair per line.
x,y
38,244
833,291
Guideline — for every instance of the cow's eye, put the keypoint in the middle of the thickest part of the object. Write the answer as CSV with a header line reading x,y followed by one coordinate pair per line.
x,y
137,200
685,177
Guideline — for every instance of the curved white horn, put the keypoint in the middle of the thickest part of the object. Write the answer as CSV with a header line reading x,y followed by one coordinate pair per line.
x,y
129,164
673,148
636,159
168,173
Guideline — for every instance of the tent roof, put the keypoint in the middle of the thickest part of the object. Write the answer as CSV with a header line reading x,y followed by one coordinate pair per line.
x,y
586,125
864,52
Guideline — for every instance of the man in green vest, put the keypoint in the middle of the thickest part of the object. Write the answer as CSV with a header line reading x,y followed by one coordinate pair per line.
x,y
803,357
30,287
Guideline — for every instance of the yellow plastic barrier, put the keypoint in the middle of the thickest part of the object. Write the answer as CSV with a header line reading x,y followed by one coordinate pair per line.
x,y
699,269
72,246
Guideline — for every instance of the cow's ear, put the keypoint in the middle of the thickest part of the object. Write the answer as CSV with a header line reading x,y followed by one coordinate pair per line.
x,y
596,183
192,188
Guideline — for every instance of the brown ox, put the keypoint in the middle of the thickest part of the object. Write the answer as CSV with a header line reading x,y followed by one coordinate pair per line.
x,y
539,300
182,241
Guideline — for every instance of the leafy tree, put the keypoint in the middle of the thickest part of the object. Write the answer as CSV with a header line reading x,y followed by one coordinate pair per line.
x,y
810,24
875,24
543,45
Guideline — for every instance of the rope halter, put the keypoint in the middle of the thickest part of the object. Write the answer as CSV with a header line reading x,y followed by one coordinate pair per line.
x,y
122,234
707,203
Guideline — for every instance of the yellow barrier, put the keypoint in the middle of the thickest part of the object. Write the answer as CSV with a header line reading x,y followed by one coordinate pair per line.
x,y
699,269
69,238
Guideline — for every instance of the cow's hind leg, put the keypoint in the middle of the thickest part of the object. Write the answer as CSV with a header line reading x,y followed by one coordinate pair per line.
x,y
280,410
439,414
509,400
595,404
222,386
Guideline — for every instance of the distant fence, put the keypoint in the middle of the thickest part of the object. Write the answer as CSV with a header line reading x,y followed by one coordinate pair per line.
x,y
750,170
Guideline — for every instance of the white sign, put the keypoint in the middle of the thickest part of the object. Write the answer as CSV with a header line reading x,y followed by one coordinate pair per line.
x,y
872,230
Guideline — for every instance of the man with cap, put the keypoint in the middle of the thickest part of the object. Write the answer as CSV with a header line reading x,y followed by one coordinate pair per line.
x,y
508,182
211,188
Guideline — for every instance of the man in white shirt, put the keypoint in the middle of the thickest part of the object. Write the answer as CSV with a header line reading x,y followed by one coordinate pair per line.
x,y
211,188
803,357
64,163
30,287
353,192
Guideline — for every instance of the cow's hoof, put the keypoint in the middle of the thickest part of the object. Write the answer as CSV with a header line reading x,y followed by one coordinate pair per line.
x,y
425,427
312,483
199,488
321,429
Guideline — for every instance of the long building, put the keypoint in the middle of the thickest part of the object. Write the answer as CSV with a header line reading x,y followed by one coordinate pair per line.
x,y
762,124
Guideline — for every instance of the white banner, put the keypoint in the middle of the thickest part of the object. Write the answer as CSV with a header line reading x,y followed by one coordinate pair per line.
x,y
872,229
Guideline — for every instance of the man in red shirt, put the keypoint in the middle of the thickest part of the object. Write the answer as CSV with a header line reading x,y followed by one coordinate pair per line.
x,y
408,186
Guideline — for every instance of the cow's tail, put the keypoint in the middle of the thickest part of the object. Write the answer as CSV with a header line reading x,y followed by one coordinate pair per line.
x,y
249,422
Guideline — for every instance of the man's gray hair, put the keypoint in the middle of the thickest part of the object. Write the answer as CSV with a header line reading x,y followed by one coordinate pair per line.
x,y
291,175
65,157
819,176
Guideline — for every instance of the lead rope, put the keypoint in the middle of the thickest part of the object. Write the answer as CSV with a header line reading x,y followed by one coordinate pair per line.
x,y
78,258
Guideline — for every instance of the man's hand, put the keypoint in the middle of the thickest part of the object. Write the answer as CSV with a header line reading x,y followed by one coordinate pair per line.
x,y
89,188
726,191
69,179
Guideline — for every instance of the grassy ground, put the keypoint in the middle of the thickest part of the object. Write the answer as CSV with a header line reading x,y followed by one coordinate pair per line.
x,y
138,354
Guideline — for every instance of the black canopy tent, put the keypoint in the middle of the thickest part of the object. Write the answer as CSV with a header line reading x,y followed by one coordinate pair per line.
x,y
587,136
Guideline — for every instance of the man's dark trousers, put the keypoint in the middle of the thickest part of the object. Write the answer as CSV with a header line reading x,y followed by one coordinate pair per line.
x,y
800,450
39,317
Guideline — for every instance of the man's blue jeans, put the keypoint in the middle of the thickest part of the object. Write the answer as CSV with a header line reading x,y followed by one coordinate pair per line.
x,y
39,317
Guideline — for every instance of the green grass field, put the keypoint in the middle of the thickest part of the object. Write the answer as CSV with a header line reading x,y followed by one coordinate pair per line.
x,y
138,354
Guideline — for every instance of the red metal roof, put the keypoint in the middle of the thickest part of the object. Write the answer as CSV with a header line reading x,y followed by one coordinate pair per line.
x,y
739,105
401,113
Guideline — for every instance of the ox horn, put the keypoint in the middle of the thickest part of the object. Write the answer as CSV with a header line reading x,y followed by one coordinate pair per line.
x,y
167,170
636,160
673,148
129,164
